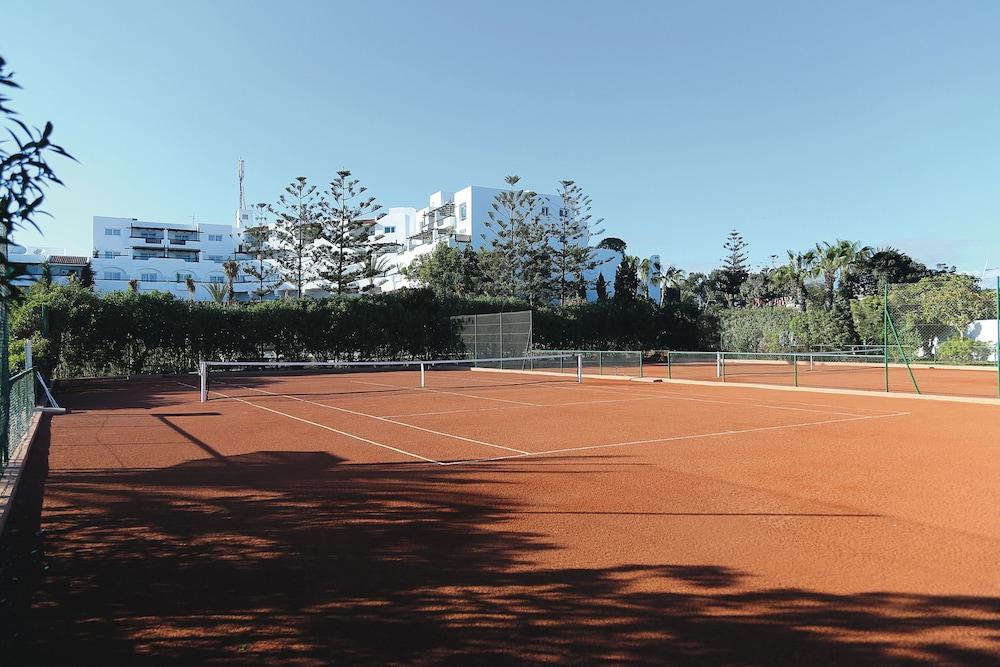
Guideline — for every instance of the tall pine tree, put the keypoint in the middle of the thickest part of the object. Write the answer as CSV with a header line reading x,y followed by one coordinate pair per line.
x,y
517,259
347,246
257,244
570,231
296,229
734,267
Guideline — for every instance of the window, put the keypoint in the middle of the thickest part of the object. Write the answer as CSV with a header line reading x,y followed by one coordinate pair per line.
x,y
108,231
215,258
563,213
216,279
215,237
182,276
545,210
109,254
112,275
389,230
462,211
147,277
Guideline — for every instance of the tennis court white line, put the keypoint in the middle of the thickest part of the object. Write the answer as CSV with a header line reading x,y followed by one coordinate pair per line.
x,y
322,426
693,436
453,393
516,407
699,399
383,419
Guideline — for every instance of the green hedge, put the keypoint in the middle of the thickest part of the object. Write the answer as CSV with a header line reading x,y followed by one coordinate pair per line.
x,y
79,333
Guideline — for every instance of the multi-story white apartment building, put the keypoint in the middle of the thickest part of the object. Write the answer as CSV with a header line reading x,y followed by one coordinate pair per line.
x,y
456,219
161,255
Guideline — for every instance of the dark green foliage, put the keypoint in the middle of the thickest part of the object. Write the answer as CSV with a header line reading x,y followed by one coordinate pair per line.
x,y
447,271
296,229
347,218
884,266
627,281
756,329
87,276
601,287
614,244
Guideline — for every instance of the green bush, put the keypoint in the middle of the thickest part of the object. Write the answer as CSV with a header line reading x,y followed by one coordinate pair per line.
x,y
757,329
958,350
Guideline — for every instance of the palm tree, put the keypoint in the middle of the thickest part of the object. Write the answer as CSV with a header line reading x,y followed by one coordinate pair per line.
x,y
800,267
133,286
645,273
829,259
217,291
192,287
373,267
853,255
232,269
669,277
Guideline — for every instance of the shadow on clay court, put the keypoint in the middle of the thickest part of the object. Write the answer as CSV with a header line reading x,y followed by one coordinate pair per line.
x,y
293,558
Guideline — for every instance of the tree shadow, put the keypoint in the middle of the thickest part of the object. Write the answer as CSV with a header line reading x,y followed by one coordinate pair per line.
x,y
294,558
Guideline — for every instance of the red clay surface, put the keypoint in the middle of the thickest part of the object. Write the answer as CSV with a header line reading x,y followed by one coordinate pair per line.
x,y
937,380
361,520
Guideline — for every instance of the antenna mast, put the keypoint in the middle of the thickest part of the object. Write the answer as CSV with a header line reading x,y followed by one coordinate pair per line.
x,y
243,199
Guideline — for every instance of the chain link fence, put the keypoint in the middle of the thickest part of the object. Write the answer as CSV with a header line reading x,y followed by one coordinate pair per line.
x,y
494,335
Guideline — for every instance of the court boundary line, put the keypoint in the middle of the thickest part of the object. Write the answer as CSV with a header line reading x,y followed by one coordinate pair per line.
x,y
322,426
383,419
692,436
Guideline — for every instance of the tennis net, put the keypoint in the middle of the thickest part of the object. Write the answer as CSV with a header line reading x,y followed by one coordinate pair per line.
x,y
228,378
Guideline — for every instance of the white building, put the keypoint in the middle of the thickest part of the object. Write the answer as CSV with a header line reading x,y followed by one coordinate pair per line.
x,y
61,265
458,219
161,256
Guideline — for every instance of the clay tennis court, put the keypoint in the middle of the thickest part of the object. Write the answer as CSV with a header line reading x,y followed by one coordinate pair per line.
x,y
941,380
497,518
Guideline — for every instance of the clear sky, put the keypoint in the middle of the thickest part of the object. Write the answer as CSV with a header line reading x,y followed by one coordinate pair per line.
x,y
793,122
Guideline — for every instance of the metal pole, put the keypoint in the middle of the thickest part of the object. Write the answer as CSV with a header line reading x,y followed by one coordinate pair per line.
x,y
670,374
423,382
28,365
640,363
997,352
579,368
203,372
600,362
795,368
885,335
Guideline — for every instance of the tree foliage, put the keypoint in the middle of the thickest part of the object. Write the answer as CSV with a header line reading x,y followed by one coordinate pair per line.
x,y
347,218
296,229
570,232
734,266
25,174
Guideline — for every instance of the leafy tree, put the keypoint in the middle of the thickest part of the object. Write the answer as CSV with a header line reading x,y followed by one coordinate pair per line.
x,y
570,234
87,276
734,266
838,258
347,220
601,287
24,176
46,275
705,290
884,266
296,229
517,259
614,244
258,244
133,285
627,280
793,275
192,287
447,271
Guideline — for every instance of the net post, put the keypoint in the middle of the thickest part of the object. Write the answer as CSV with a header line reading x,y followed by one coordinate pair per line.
x,y
795,368
423,379
996,352
670,374
600,362
640,363
203,380
720,371
579,369
885,334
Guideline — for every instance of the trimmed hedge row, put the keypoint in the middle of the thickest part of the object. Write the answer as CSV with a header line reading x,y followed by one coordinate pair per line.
x,y
79,333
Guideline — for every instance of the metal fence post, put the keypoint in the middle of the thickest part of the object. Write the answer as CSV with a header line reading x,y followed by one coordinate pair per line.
x,y
885,334
795,368
670,375
997,351
579,369
600,362
640,363
203,380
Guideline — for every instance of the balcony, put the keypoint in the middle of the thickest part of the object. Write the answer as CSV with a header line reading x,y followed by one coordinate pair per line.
x,y
186,255
181,238
150,234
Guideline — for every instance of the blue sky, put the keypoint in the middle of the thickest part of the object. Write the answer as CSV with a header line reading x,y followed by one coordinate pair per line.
x,y
793,122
